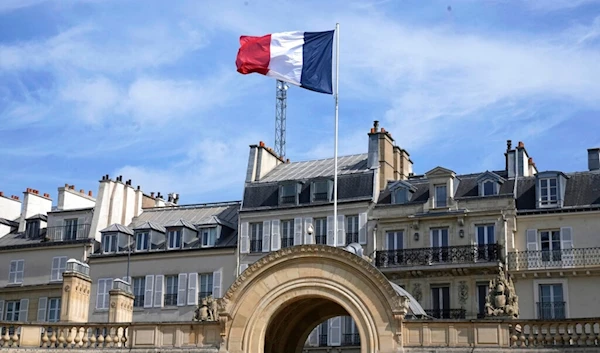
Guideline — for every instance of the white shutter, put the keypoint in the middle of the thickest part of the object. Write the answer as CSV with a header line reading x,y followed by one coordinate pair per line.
x,y
275,235
1,310
297,231
335,331
24,310
100,288
62,267
566,237
148,291
362,228
533,255
330,236
159,288
42,305
217,284
20,270
54,276
313,338
243,268
192,294
266,240
244,238
181,289
341,235
308,238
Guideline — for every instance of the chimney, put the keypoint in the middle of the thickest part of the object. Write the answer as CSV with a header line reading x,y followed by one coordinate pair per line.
x,y
393,162
524,166
10,207
593,159
33,204
261,161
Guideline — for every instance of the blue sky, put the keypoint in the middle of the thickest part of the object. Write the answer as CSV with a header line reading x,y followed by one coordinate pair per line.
x,y
148,89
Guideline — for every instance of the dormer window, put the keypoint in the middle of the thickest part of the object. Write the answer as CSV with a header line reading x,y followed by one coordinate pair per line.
x,y
400,196
288,194
142,241
109,243
489,183
174,239
32,229
441,196
401,192
489,188
209,236
548,192
321,190
550,189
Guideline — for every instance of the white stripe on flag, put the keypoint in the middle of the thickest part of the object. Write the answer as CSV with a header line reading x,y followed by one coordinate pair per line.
x,y
286,57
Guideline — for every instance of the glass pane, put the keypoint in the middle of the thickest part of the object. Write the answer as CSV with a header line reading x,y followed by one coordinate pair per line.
x,y
545,293
552,182
491,238
558,292
488,188
481,235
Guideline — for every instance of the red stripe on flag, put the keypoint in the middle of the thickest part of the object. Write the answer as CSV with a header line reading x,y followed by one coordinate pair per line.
x,y
254,54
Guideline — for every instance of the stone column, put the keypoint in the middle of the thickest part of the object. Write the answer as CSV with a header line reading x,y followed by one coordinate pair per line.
x,y
77,285
121,302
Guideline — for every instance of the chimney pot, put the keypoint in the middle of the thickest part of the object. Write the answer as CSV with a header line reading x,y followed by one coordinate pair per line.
x,y
66,185
261,144
376,125
90,193
81,191
508,145
1,193
152,194
521,144
382,130
138,187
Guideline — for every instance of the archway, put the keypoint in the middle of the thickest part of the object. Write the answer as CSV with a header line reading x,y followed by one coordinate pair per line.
x,y
273,306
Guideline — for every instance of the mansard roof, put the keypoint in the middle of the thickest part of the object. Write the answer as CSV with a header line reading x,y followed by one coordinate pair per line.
x,y
115,227
305,170
150,226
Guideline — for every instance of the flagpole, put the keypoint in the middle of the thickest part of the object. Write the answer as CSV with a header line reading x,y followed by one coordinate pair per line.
x,y
335,138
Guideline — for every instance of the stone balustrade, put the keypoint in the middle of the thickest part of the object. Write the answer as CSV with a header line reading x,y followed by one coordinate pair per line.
x,y
555,333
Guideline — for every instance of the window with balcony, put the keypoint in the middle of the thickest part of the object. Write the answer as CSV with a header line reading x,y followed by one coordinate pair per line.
x,y
206,285
486,240
70,229
439,245
139,285
320,230
440,302
394,240
171,283
551,303
256,235
321,190
16,271
550,244
109,243
482,293
351,229
142,241
287,233
53,313
288,194
209,237
441,196
174,239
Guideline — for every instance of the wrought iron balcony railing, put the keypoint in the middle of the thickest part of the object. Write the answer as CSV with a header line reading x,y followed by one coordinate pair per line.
x,y
445,255
447,313
323,341
351,339
551,310
545,259
287,242
351,238
66,233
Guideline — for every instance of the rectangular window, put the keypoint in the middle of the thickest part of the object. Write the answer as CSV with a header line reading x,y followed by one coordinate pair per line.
x,y
552,303
70,229
287,233
171,283
288,194
15,272
53,310
350,335
320,190
550,243
440,196
323,331
394,240
206,285
351,229
256,235
32,229
320,230
174,239
102,296
209,236
400,196
548,191
59,265
139,285
12,310
485,238
142,241
109,243
440,301
439,244
488,188
482,293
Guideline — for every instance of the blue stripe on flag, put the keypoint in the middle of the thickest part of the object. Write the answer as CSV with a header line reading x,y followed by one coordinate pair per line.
x,y
317,62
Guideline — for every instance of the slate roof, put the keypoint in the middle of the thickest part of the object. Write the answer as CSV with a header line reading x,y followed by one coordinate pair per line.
x,y
151,225
19,240
180,223
317,168
117,228
8,222
40,216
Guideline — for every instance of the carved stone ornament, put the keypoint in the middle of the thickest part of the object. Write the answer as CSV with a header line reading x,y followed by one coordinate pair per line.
x,y
463,292
417,293
207,310
502,300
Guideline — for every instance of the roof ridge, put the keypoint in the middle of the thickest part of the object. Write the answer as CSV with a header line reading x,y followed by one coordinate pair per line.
x,y
325,159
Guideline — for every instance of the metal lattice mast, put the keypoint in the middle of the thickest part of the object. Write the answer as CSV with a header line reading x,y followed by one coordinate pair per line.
x,y
281,104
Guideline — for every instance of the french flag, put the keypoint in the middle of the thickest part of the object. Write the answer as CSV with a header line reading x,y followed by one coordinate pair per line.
x,y
300,58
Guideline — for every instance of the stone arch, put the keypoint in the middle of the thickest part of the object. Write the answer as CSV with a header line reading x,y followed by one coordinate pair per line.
x,y
287,293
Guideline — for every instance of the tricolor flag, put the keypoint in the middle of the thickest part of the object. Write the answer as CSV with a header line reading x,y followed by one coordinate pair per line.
x,y
300,58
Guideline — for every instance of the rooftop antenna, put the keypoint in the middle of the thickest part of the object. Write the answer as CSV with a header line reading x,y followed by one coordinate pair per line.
x,y
280,116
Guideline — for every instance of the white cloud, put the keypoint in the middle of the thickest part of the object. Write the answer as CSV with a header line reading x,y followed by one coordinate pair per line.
x,y
94,97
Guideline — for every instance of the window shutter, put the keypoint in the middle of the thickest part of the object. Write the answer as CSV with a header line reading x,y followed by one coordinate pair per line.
x,y
217,278
62,267
1,310
100,293
362,228
244,239
20,270
266,241
566,237
313,338
24,310
243,268
330,235
55,269
181,289
335,331
159,285
148,291
308,238
533,255
42,304
275,236
297,231
341,235
192,294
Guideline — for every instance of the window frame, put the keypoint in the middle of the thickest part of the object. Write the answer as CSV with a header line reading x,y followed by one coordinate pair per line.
x,y
205,280
285,199
145,239
287,238
32,229
13,275
110,242
171,290
70,226
15,310
138,285
549,202
565,292
493,185
320,230
177,235
398,239
211,236
56,310
256,236
313,190
352,229
58,271
436,199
